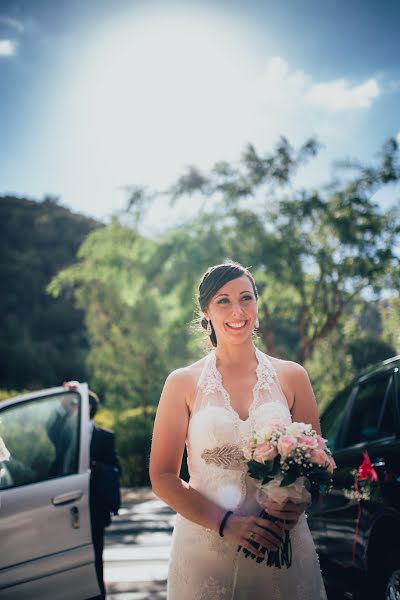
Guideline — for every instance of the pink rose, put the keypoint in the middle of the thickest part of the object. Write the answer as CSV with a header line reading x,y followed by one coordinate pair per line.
x,y
319,457
321,442
331,465
308,441
264,451
286,444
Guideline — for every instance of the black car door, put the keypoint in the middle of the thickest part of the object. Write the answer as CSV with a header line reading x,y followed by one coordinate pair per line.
x,y
358,443
333,422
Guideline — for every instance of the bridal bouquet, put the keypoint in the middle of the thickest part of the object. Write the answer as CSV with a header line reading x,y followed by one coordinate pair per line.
x,y
290,462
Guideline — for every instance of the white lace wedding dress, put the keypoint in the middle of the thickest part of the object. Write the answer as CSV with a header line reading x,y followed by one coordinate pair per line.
x,y
204,566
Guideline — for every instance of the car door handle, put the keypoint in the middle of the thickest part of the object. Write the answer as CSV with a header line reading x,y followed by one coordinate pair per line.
x,y
67,497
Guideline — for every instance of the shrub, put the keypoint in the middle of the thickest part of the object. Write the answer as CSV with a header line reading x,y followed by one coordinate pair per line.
x,y
133,428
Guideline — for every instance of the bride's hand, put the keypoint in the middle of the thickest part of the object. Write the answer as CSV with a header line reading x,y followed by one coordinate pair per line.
x,y
244,530
288,511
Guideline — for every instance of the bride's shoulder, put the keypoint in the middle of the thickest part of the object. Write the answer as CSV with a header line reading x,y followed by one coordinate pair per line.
x,y
186,378
292,377
287,368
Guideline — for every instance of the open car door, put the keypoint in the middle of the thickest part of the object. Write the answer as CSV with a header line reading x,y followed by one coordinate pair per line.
x,y
45,538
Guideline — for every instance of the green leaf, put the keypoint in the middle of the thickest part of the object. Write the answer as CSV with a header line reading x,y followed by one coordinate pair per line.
x,y
266,479
289,478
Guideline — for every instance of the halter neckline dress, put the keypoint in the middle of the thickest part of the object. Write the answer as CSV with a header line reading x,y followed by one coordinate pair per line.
x,y
202,565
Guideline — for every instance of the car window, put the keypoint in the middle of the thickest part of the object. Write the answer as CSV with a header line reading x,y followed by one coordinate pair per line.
x,y
388,423
367,408
42,436
332,418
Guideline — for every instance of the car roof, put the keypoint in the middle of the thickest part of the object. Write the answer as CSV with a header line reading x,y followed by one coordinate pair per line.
x,y
382,366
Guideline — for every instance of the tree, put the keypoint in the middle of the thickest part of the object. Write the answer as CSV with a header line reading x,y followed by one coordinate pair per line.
x,y
43,340
123,315
390,310
313,252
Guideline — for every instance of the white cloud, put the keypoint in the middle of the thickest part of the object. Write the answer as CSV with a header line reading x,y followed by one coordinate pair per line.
x,y
8,47
341,95
280,83
291,102
398,137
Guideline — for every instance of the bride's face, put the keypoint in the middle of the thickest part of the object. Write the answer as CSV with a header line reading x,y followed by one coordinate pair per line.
x,y
233,310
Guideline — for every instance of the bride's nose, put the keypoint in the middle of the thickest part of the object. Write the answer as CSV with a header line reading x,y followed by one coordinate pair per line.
x,y
237,309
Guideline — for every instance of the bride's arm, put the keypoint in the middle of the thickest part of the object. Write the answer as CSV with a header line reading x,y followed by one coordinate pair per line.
x,y
169,434
304,409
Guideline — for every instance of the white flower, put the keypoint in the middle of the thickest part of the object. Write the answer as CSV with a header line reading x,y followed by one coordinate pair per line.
x,y
296,429
4,453
266,433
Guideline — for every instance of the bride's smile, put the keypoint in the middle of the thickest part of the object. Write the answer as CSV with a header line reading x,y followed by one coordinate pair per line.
x,y
237,324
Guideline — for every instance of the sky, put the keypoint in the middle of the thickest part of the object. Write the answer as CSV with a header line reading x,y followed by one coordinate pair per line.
x,y
100,95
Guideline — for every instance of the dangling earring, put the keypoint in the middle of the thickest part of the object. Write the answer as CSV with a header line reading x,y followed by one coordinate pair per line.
x,y
257,323
208,328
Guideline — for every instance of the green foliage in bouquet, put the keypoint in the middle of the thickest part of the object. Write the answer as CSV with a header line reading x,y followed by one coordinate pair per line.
x,y
317,476
266,471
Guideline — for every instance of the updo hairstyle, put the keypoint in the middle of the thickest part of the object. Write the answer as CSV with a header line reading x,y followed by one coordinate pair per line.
x,y
212,281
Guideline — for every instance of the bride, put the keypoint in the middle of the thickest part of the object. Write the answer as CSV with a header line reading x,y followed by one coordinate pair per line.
x,y
211,405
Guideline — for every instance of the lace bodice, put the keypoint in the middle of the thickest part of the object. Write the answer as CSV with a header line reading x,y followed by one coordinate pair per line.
x,y
216,432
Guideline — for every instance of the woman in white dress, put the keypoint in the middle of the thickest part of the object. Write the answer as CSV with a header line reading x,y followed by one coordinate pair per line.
x,y
211,405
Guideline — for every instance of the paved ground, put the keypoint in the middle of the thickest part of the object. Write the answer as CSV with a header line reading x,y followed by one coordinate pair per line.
x,y
137,548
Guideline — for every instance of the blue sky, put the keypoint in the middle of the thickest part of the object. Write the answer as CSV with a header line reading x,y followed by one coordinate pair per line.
x,y
97,95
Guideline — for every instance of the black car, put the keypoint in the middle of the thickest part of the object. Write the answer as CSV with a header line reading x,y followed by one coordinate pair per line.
x,y
356,525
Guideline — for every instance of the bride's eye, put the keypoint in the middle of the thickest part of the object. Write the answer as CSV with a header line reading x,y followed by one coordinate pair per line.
x,y
248,297
223,301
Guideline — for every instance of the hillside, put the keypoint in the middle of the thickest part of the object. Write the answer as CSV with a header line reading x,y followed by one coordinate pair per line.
x,y
43,340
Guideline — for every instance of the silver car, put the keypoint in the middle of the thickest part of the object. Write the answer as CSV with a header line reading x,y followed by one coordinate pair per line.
x,y
45,539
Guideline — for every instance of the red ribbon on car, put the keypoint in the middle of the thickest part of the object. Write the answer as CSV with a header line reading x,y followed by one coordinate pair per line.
x,y
366,472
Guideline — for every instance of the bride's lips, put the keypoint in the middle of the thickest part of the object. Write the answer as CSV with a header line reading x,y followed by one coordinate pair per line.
x,y
237,325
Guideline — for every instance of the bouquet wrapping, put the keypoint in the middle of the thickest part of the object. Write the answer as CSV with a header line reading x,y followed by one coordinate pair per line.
x,y
290,462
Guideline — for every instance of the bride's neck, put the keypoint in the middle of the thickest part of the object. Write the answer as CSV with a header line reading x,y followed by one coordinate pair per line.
x,y
231,355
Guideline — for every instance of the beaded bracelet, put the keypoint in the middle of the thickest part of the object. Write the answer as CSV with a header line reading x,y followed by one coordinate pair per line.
x,y
223,522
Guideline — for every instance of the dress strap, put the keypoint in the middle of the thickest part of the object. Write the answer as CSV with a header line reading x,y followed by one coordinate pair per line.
x,y
268,380
266,374
206,382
